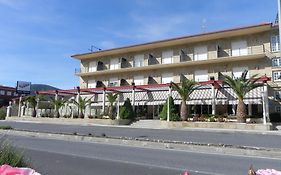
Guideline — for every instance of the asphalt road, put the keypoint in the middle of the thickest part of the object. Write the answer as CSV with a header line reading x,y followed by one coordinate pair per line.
x,y
223,137
56,157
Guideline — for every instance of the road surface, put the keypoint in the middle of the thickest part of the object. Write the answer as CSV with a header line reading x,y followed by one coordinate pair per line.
x,y
56,157
201,136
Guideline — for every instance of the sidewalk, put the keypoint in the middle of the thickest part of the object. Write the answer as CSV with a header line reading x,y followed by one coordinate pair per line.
x,y
157,124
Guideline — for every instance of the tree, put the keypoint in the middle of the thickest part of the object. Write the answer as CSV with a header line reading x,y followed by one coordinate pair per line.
x,y
184,90
111,98
57,104
33,101
173,112
81,105
126,111
241,86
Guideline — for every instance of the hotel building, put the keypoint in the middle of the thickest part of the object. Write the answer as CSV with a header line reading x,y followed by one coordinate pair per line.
x,y
150,67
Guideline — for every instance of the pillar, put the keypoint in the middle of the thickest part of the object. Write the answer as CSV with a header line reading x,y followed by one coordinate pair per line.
x,y
118,106
213,100
265,106
133,98
77,99
9,110
233,109
103,101
19,109
168,105
250,112
37,107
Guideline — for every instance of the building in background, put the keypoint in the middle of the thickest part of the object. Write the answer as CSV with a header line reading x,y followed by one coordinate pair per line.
x,y
6,95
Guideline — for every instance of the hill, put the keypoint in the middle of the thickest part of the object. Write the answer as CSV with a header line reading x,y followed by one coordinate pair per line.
x,y
41,87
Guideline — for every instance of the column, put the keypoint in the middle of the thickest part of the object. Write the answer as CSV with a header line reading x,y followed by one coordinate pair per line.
x,y
213,100
103,101
250,112
133,98
168,101
19,110
77,99
9,110
263,108
37,107
265,104
118,106
233,109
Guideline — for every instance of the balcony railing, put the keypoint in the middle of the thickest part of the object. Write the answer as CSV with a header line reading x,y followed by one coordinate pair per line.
x,y
220,53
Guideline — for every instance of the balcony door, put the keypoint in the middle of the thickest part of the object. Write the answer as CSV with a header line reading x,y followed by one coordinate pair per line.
x,y
239,48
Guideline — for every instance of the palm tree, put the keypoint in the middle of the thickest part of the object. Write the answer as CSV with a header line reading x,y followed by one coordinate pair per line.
x,y
241,86
33,101
184,90
81,105
111,99
57,104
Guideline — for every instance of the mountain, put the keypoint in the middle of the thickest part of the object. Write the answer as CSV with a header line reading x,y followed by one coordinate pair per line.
x,y
41,87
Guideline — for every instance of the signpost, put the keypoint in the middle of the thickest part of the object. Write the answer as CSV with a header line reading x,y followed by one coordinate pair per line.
x,y
23,87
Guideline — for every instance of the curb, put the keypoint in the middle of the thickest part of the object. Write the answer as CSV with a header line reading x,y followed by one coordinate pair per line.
x,y
154,143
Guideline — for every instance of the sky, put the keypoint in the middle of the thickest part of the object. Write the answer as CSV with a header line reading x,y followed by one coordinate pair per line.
x,y
37,37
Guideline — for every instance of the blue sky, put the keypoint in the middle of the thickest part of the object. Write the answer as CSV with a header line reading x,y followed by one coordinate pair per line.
x,y
37,37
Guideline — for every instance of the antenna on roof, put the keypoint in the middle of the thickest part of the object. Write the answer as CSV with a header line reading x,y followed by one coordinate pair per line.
x,y
94,47
204,26
276,19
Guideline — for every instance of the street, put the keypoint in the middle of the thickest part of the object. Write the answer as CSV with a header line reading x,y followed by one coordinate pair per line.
x,y
201,136
56,157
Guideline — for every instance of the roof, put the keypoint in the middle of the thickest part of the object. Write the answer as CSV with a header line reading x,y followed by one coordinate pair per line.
x,y
129,88
179,40
7,88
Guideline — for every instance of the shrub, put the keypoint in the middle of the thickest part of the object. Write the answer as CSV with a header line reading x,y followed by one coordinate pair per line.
x,y
275,117
2,113
126,111
6,127
11,156
173,111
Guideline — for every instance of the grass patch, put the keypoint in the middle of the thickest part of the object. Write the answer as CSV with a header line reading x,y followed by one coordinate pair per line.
x,y
11,155
6,127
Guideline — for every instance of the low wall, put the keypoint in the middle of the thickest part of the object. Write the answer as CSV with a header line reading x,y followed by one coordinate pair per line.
x,y
70,120
217,125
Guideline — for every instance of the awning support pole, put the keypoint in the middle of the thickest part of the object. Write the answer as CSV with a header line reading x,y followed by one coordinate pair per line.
x,y
168,105
213,100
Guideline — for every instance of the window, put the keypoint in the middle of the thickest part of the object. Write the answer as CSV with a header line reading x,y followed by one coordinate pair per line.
x,y
9,93
2,92
139,80
277,95
15,94
239,48
139,60
200,53
277,108
114,64
167,57
275,46
238,71
92,66
113,82
276,75
91,83
167,78
201,75
276,62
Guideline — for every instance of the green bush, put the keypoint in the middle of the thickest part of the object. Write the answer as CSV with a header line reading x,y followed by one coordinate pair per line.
x,y
6,127
2,113
173,111
11,156
275,117
126,111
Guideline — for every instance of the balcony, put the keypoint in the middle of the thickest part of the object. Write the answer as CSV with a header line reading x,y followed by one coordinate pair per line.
x,y
254,53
